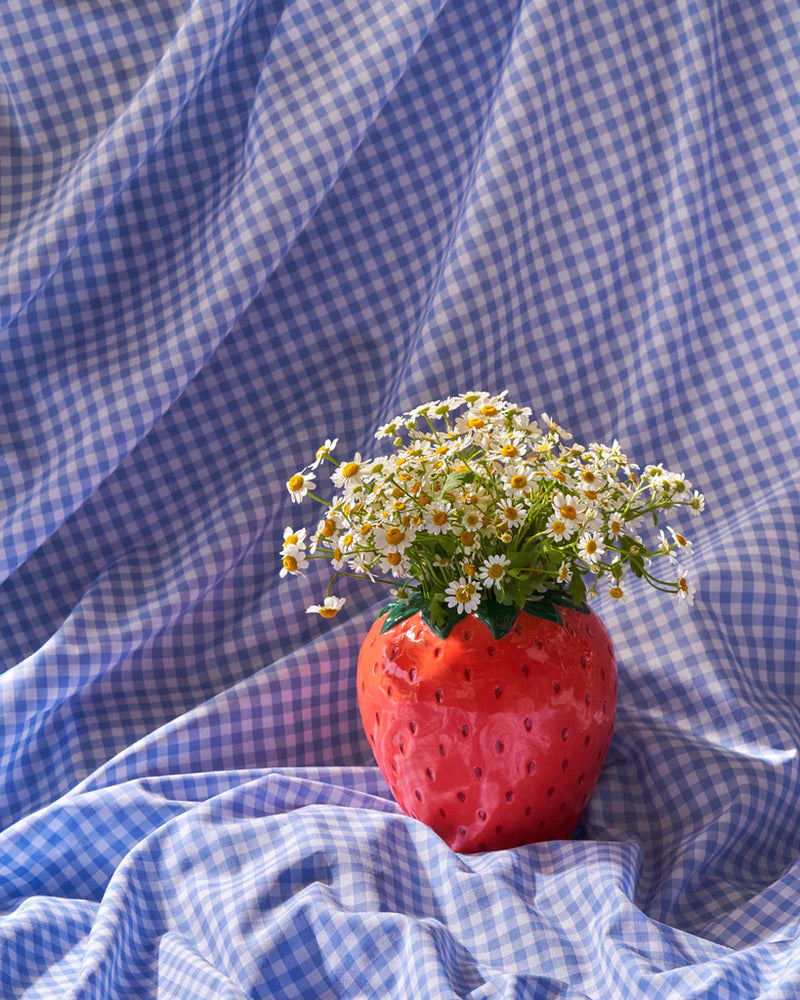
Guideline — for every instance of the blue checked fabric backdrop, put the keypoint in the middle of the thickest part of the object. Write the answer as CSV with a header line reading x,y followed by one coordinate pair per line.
x,y
232,229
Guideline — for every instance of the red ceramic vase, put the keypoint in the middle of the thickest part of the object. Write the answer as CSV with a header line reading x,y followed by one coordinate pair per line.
x,y
492,743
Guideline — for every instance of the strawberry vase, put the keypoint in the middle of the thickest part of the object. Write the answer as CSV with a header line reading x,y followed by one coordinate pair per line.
x,y
491,729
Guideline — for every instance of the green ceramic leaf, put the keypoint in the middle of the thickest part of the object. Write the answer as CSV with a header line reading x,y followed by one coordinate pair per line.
x,y
548,606
399,610
442,629
543,608
498,618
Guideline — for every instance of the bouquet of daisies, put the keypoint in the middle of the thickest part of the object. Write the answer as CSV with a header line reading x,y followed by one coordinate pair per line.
x,y
477,503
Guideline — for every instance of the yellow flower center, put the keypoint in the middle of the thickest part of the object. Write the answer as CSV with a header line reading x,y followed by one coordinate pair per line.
x,y
559,475
365,529
588,476
439,517
495,571
487,410
394,536
291,540
511,513
476,422
399,505
347,540
505,537
616,592
467,538
469,569
590,494
591,546
441,450
568,511
329,527
519,482
338,555
616,527
328,612
684,584
350,469
393,558
296,483
463,594
558,527
680,539
509,450
290,563
472,520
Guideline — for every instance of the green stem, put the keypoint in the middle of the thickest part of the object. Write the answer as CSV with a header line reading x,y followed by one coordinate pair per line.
x,y
314,496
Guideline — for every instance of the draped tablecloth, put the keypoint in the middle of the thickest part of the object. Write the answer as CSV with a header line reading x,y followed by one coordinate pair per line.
x,y
231,229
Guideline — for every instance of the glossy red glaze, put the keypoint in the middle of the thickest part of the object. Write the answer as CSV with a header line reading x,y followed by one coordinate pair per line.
x,y
492,743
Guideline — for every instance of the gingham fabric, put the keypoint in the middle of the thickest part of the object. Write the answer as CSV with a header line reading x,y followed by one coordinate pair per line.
x,y
233,229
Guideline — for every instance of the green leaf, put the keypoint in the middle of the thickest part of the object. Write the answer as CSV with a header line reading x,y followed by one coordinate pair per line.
x,y
655,519
436,610
637,566
577,589
456,479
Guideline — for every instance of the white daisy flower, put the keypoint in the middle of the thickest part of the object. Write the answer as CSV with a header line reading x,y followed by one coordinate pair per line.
x,y
396,563
493,570
511,515
553,427
591,547
680,485
359,565
394,538
329,608
683,543
697,504
615,526
436,518
388,430
326,531
559,528
686,590
469,424
678,544
349,474
470,541
300,483
591,520
463,595
567,506
294,561
293,538
323,451
617,593
564,573
519,482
